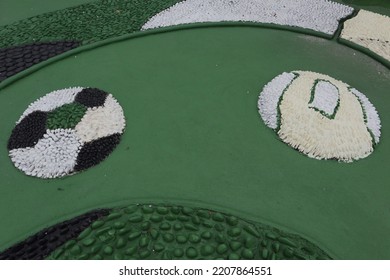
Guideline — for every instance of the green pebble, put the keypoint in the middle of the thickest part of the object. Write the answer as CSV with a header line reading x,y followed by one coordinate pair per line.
x,y
162,210
144,241
250,242
276,246
119,225
183,218
220,238
207,224
287,242
207,235
113,216
194,238
96,249
235,245
178,252
206,250
181,239
145,225
203,214
89,241
233,221
270,235
124,231
156,218
97,224
147,209
120,243
75,250
165,226
134,235
170,217
154,233
247,254
131,209
187,211
177,226
108,250
222,249
144,254
135,219
158,247
233,256
218,217
191,253
168,237
131,251
175,210
288,252
195,220
252,231
234,232
190,227
85,233
264,253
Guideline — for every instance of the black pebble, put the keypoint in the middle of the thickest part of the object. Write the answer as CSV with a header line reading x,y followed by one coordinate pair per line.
x,y
28,131
36,52
91,97
96,151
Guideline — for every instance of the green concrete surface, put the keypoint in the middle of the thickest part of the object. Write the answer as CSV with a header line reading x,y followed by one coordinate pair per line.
x,y
194,137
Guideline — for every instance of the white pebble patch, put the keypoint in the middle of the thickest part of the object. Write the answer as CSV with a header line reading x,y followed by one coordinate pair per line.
x,y
101,121
319,15
53,156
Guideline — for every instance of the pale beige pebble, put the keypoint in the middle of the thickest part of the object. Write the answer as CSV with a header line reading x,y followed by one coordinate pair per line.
x,y
345,137
369,30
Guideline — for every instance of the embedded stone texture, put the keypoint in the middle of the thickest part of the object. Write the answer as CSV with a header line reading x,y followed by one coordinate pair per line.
x,y
176,232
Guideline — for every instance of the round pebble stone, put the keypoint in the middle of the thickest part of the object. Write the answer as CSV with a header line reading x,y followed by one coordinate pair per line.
x,y
222,249
181,239
168,237
191,253
178,252
194,238
206,250
233,256
247,254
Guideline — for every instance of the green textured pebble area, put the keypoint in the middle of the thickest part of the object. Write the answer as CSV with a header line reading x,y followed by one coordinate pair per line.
x,y
175,232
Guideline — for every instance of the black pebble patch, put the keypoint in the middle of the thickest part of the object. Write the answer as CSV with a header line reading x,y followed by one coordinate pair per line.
x,y
28,131
16,59
96,151
42,244
91,97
